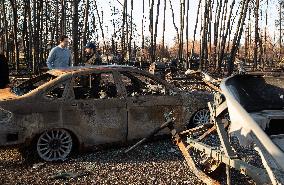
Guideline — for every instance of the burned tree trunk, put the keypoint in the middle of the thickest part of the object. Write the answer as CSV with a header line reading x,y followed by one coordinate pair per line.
x,y
195,29
216,32
75,30
15,32
86,25
173,16
156,29
182,11
5,23
187,48
204,38
237,37
256,37
63,18
224,37
124,19
101,24
151,29
131,32
143,19
164,26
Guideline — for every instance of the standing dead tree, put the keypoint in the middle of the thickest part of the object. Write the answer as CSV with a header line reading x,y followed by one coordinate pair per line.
x,y
86,24
238,34
216,31
15,32
151,30
156,31
182,13
143,20
204,38
75,31
256,38
187,38
164,26
173,18
225,37
195,28
124,18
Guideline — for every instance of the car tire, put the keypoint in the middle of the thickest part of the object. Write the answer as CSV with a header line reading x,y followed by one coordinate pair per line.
x,y
200,117
54,145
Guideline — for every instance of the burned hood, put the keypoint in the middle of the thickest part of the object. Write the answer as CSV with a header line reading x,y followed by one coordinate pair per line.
x,y
6,94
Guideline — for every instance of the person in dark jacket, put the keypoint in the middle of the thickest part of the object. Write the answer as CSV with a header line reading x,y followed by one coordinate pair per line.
x,y
93,56
4,72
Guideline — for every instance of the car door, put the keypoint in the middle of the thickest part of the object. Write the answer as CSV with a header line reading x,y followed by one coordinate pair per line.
x,y
42,110
148,100
96,109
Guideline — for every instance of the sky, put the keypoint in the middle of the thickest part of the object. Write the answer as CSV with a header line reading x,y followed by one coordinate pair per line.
x,y
170,32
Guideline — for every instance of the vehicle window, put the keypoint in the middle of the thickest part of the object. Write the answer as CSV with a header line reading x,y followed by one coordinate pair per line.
x,y
32,84
56,92
95,86
137,84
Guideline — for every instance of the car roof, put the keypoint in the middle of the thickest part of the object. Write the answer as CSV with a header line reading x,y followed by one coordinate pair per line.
x,y
77,69
91,68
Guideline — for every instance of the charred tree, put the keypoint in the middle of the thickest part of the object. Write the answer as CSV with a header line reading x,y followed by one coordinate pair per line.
x,y
15,33
256,36
164,26
156,29
237,37
86,24
187,40
225,38
75,31
173,18
151,29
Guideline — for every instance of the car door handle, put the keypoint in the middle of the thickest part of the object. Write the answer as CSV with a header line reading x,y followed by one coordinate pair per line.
x,y
74,105
139,101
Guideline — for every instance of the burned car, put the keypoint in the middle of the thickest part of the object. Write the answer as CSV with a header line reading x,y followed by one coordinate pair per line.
x,y
82,107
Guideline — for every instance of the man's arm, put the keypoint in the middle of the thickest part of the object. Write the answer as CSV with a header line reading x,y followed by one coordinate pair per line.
x,y
50,59
70,59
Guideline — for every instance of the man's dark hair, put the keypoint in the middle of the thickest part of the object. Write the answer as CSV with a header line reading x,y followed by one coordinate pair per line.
x,y
62,37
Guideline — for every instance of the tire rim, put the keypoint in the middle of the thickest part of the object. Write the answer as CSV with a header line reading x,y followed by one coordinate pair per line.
x,y
201,117
54,145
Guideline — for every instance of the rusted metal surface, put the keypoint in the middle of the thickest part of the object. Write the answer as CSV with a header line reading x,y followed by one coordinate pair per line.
x,y
63,99
205,178
259,175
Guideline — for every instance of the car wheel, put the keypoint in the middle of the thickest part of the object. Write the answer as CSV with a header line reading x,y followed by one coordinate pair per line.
x,y
54,145
200,117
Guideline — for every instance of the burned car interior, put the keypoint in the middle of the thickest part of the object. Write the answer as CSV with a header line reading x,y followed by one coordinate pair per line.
x,y
137,84
95,86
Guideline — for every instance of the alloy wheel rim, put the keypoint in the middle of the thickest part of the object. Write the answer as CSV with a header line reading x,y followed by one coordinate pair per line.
x,y
201,117
54,145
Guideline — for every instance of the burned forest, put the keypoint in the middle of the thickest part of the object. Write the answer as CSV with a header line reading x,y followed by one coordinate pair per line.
x,y
142,92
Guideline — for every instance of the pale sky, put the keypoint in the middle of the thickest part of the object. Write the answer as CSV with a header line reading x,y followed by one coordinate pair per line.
x,y
170,32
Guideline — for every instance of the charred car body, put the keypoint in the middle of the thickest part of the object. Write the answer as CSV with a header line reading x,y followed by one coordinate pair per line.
x,y
89,106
